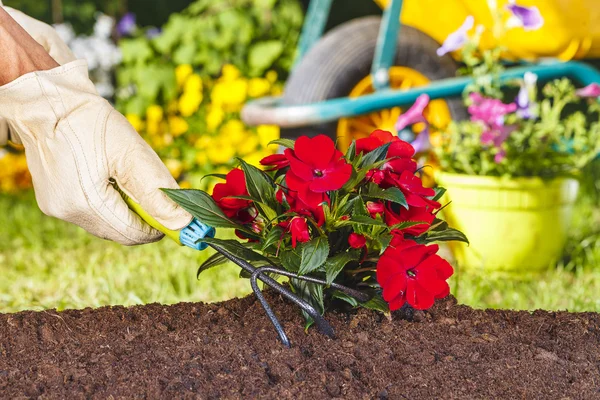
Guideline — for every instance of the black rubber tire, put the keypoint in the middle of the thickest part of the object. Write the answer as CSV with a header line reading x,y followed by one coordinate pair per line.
x,y
343,57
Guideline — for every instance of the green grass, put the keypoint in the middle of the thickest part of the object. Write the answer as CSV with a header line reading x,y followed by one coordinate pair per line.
x,y
46,263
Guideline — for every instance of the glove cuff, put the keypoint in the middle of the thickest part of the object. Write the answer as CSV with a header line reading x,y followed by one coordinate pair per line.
x,y
42,98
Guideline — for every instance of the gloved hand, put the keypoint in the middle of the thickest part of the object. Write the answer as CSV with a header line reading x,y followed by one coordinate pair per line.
x,y
75,142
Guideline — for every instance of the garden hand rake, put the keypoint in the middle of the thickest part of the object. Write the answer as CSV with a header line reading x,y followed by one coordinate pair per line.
x,y
192,236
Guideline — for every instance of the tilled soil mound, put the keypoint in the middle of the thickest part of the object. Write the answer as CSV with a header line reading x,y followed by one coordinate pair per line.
x,y
230,350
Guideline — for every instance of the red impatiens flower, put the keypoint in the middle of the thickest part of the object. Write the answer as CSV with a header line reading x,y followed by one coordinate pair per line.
x,y
400,152
316,166
396,214
414,191
310,206
235,185
357,241
298,228
413,273
275,161
375,207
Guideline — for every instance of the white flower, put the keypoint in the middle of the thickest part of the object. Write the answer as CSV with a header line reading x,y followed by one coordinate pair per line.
x,y
65,32
104,26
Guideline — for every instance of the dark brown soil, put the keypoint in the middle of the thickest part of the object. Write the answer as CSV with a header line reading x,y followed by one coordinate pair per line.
x,y
230,350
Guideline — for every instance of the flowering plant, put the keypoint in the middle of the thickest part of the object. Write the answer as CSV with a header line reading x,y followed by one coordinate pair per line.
x,y
183,87
514,129
362,220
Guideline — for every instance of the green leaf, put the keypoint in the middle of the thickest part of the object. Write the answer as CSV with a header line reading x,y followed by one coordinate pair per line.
x,y
290,259
344,297
392,194
201,206
212,261
384,241
258,183
273,237
314,254
364,220
239,250
377,303
335,265
439,192
450,234
374,156
406,225
351,152
263,54
359,209
289,143
222,176
313,294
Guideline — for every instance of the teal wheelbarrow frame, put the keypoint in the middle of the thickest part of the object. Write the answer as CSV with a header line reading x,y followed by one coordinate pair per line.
x,y
271,110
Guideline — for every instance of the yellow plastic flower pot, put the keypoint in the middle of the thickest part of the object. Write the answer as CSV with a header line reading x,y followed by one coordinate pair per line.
x,y
516,226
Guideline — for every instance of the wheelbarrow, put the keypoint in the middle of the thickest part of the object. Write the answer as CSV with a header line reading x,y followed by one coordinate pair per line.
x,y
358,76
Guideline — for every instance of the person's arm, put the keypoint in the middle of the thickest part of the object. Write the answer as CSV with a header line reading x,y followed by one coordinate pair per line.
x,y
21,53
76,143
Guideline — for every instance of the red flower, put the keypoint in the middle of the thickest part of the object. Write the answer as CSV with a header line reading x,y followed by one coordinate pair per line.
x,y
414,214
313,208
235,185
357,241
412,187
413,273
298,228
316,166
400,151
375,207
276,161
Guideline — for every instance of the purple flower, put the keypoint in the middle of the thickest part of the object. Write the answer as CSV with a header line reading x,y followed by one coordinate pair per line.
x,y
458,38
529,18
591,90
126,25
153,32
523,100
413,116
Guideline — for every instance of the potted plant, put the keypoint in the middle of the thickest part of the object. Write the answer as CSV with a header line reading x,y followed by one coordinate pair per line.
x,y
511,169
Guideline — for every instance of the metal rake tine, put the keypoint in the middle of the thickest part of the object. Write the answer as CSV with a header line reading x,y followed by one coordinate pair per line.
x,y
321,323
324,326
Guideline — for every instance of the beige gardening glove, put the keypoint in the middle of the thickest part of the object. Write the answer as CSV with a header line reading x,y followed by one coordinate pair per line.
x,y
76,142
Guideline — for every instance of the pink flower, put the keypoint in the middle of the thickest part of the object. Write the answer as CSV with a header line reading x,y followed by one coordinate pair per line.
x,y
413,116
591,90
491,113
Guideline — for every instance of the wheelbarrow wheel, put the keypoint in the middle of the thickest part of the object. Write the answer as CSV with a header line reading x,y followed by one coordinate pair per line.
x,y
339,64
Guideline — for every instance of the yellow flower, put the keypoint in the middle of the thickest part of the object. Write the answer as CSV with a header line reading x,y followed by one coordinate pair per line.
x,y
271,76
153,127
230,95
229,72
182,72
220,152
248,146
178,126
258,87
203,142
201,158
154,113
277,90
135,121
189,103
233,131
175,167
267,133
185,185
193,84
214,117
